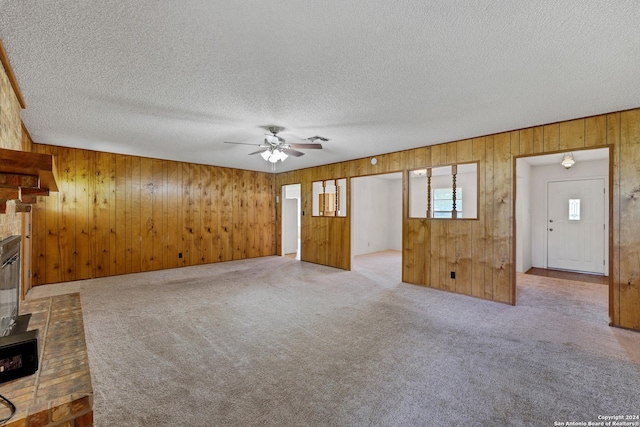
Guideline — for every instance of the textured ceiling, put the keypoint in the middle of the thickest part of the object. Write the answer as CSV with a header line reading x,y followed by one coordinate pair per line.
x,y
174,80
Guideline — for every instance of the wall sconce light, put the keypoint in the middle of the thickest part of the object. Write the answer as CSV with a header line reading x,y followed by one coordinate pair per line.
x,y
568,160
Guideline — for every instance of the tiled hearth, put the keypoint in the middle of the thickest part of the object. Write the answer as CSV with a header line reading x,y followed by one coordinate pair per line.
x,y
59,393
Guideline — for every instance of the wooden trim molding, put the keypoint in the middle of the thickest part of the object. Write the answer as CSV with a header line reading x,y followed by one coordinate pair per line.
x,y
12,77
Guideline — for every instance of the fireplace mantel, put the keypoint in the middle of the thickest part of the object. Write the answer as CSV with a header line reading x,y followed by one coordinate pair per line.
x,y
24,176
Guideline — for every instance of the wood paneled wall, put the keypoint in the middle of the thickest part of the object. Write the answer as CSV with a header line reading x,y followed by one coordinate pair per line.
x,y
118,214
481,251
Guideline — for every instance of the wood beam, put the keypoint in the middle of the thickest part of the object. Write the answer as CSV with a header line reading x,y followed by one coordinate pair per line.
x,y
12,77
10,193
17,180
35,192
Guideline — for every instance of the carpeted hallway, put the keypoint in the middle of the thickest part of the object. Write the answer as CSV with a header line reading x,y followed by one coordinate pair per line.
x,y
274,341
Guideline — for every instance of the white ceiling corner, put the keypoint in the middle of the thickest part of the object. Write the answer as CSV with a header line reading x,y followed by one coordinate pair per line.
x,y
174,80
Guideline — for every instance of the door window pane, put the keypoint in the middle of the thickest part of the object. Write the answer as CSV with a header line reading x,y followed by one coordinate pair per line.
x,y
574,209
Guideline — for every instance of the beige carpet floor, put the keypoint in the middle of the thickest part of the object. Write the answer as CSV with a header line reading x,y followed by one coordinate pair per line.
x,y
278,342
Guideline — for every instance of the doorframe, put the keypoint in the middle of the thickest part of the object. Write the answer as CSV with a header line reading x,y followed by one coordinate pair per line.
x,y
352,208
284,219
546,206
514,180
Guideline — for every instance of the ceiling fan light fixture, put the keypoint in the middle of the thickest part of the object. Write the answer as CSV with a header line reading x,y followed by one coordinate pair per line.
x,y
275,149
279,155
274,156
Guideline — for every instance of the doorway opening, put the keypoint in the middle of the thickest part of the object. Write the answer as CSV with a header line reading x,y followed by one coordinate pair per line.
x,y
291,208
376,223
562,229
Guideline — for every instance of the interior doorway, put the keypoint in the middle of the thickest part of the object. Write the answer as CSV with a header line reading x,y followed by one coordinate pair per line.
x,y
291,207
562,224
376,219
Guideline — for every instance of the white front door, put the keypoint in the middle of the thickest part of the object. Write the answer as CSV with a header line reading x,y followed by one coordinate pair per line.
x,y
575,225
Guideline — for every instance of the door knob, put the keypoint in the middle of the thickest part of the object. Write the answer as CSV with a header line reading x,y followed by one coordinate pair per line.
x,y
550,220
551,229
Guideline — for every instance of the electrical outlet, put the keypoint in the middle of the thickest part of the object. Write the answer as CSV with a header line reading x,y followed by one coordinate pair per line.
x,y
453,274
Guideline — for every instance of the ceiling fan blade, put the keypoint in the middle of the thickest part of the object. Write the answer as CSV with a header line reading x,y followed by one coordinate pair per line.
x,y
317,137
259,151
306,146
294,153
242,143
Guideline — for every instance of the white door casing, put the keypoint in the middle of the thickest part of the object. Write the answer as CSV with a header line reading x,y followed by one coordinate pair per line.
x,y
576,244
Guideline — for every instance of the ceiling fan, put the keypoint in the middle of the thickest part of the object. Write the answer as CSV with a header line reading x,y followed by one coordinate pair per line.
x,y
275,148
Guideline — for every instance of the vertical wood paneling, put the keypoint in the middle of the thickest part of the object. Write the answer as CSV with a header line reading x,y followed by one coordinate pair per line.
x,y
262,186
158,214
438,238
538,139
629,299
249,197
515,151
206,222
187,222
112,216
489,205
101,214
173,226
38,241
478,228
66,217
239,215
120,223
147,227
118,214
128,232
551,137
225,181
526,141
52,233
595,131
408,233
136,215
464,236
85,250
571,134
613,138
196,213
502,217
450,229
215,210
395,162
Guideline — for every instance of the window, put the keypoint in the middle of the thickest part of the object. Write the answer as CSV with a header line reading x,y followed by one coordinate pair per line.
x,y
433,192
443,202
330,198
574,209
